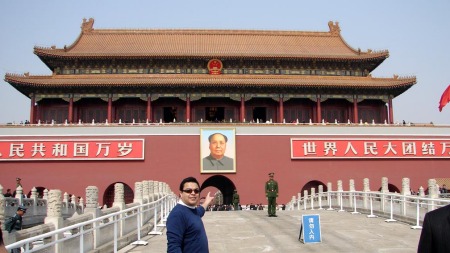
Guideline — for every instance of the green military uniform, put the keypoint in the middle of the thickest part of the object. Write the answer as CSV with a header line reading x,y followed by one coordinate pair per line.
x,y
272,194
236,200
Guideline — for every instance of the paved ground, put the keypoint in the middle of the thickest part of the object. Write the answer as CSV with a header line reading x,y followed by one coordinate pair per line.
x,y
254,231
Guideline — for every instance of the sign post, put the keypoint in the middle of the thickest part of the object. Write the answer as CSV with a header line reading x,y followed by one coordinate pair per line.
x,y
310,231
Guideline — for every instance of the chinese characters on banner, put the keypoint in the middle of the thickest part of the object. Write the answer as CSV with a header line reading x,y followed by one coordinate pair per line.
x,y
310,231
369,148
73,149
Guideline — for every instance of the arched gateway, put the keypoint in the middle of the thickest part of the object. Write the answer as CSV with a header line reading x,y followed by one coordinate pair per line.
x,y
223,184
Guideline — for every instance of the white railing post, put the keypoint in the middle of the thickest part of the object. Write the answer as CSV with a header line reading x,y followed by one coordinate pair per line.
x,y
329,201
391,219
354,204
155,219
417,226
341,202
138,225
371,215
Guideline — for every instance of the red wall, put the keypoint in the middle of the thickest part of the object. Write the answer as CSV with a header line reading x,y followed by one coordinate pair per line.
x,y
171,158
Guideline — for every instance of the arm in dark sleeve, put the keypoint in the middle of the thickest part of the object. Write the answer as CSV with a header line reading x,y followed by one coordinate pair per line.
x,y
175,232
426,237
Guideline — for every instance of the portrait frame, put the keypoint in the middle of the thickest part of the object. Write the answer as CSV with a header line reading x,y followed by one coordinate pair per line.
x,y
208,165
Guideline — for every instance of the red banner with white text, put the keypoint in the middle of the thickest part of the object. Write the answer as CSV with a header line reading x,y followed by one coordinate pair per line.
x,y
72,149
358,148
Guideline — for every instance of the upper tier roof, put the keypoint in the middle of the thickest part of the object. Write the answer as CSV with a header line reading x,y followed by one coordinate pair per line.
x,y
27,83
168,43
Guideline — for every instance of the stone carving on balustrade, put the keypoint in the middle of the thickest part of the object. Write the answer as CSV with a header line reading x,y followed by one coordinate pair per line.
x,y
145,190
339,186
352,185
330,186
384,185
156,190
151,191
366,183
406,189
54,206
432,189
138,192
119,193
91,197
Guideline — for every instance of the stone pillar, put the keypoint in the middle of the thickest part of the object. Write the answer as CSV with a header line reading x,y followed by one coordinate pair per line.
x,y
92,208
432,193
34,197
352,191
2,210
305,199
366,189
151,190
54,215
137,193
19,194
320,196
66,202
384,189
145,191
329,188
406,191
155,190
313,195
161,189
45,194
339,189
119,196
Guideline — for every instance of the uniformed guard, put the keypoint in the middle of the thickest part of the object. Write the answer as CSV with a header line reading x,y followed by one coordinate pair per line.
x,y
236,200
272,194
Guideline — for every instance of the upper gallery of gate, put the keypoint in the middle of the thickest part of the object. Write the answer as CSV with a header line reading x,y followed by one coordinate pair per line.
x,y
189,43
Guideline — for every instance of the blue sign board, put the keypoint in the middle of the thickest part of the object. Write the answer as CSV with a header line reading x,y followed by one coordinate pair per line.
x,y
310,230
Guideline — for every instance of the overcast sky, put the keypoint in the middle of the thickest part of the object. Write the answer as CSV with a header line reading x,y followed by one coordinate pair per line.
x,y
416,33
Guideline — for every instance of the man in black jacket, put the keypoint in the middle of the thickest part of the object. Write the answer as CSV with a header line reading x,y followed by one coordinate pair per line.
x,y
435,234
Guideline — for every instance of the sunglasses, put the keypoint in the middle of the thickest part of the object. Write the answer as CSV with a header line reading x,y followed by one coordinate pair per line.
x,y
189,191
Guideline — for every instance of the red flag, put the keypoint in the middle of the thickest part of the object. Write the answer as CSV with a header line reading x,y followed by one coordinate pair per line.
x,y
445,98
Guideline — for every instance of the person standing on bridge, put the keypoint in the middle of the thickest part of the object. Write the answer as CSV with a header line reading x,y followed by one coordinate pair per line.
x,y
236,200
185,229
272,194
435,234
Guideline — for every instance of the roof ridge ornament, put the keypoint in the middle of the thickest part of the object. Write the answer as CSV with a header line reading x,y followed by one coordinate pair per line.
x,y
87,26
334,28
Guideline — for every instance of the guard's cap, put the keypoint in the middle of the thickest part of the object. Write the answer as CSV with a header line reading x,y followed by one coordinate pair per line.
x,y
271,174
22,208
18,178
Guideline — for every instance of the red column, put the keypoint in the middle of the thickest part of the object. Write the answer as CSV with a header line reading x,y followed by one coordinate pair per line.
x,y
188,109
281,113
242,109
149,108
70,119
32,112
391,112
109,110
319,110
355,110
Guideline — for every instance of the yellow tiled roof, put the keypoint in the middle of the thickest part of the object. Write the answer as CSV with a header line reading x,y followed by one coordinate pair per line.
x,y
99,43
206,80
